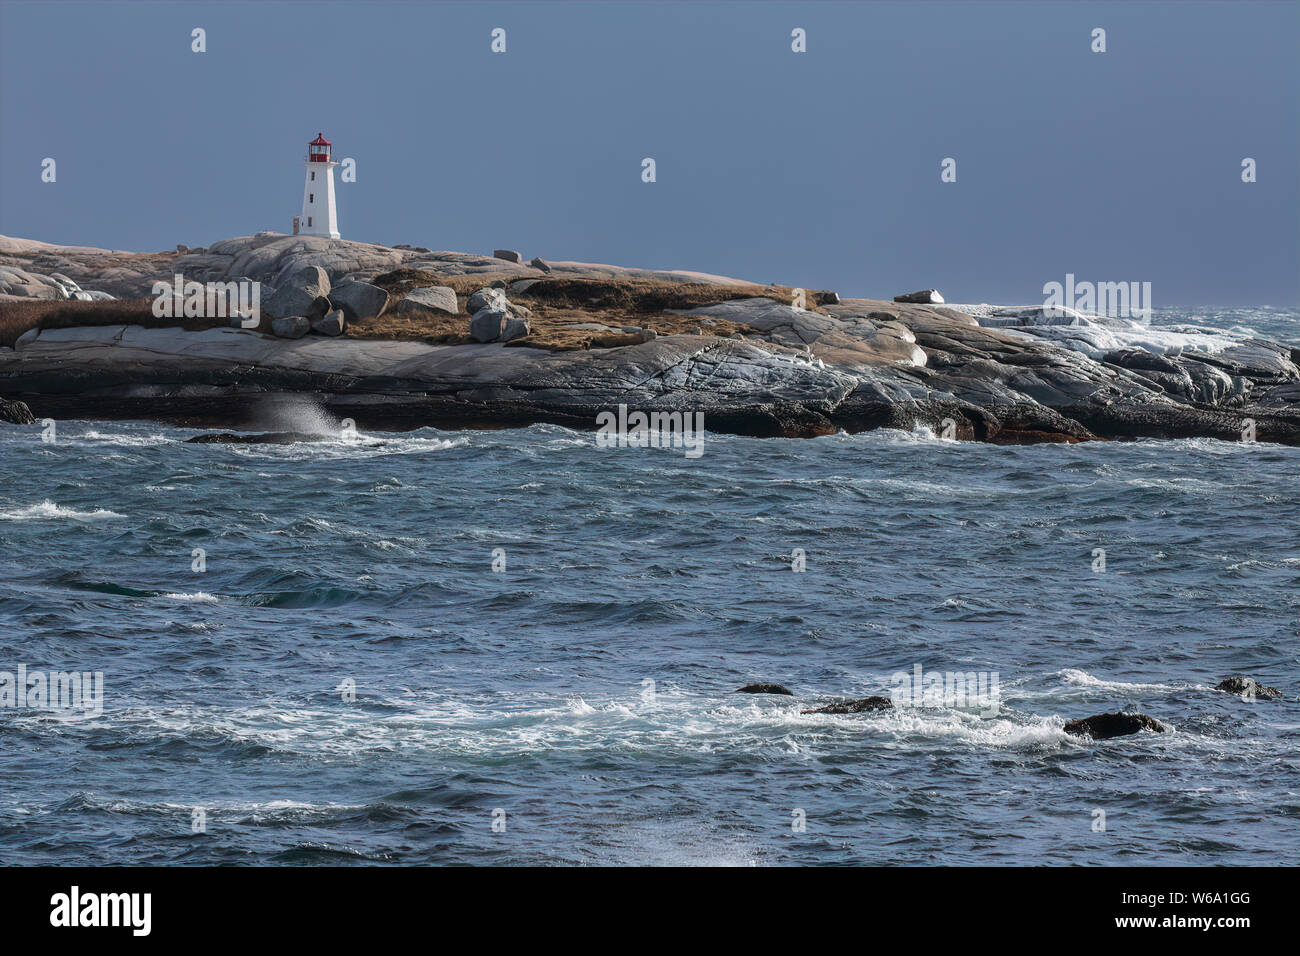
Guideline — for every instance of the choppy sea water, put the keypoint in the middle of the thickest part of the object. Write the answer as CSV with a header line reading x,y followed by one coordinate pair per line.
x,y
583,697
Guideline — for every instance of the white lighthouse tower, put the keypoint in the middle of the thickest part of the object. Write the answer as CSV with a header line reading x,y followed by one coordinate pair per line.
x,y
319,217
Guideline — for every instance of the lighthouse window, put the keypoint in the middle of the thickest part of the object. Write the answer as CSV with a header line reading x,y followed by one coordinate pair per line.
x,y
311,197
309,220
313,177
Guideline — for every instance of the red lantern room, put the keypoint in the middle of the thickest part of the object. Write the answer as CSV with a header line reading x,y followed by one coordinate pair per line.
x,y
318,150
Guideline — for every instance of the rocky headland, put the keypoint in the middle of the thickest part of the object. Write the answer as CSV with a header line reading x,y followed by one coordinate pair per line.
x,y
400,337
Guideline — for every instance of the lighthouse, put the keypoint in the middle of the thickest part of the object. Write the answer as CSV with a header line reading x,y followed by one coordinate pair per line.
x,y
319,217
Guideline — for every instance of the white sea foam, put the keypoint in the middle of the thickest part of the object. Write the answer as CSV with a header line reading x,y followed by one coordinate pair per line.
x,y
682,726
1079,678
49,510
134,441
347,449
1095,335
198,597
259,812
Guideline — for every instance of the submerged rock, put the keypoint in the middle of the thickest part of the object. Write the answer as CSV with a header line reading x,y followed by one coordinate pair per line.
x,y
764,688
1247,687
1102,726
15,413
861,705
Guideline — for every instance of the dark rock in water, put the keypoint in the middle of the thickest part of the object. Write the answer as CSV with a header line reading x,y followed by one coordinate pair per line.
x,y
765,689
15,413
265,438
1247,687
1102,726
924,297
853,706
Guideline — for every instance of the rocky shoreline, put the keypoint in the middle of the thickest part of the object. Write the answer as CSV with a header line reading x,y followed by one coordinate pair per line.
x,y
851,364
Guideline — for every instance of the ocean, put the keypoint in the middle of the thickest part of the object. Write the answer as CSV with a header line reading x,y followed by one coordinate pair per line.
x,y
515,646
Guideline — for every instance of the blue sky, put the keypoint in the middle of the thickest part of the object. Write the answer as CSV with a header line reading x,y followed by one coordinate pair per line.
x,y
819,169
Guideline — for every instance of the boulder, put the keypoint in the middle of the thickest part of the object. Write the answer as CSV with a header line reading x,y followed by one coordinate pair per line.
x,y
16,413
360,300
764,688
539,263
522,285
488,324
18,283
434,298
488,298
924,297
1103,726
515,329
303,292
68,286
290,326
509,255
858,706
827,298
265,289
1247,687
332,324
